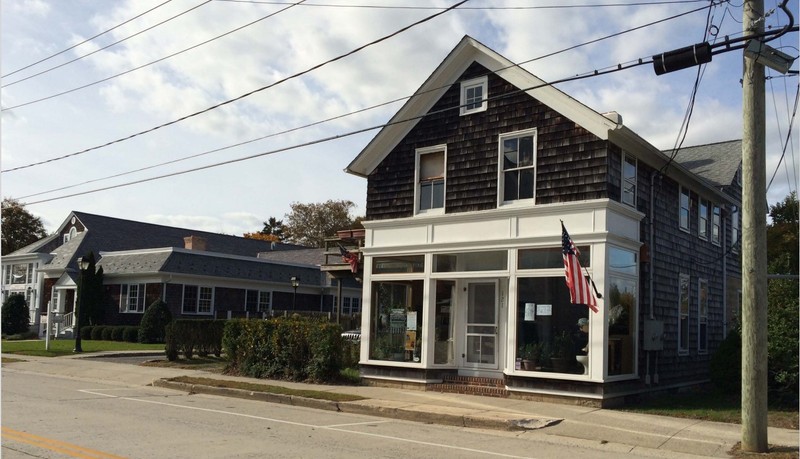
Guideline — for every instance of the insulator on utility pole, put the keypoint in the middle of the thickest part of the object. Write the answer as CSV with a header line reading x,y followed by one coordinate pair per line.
x,y
683,58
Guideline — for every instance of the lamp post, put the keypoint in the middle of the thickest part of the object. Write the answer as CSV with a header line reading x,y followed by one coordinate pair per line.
x,y
295,284
83,264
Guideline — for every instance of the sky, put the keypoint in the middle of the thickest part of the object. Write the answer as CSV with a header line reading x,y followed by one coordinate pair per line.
x,y
277,126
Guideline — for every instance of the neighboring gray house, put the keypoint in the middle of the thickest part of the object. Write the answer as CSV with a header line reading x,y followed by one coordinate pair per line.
x,y
199,274
463,270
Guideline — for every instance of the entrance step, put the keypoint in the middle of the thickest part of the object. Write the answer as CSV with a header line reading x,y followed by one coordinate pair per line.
x,y
471,385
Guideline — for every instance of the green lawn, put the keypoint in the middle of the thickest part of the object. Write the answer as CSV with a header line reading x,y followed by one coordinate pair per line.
x,y
64,347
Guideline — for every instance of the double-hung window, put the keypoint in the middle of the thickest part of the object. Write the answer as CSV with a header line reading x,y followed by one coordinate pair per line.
x,y
702,316
517,172
716,219
474,94
685,204
629,180
131,298
702,219
735,230
683,314
257,301
197,299
430,179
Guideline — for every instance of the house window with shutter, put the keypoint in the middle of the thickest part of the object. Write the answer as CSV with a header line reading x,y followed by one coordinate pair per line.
x,y
735,230
131,298
257,301
197,300
474,95
716,222
430,179
683,315
517,171
629,180
702,316
702,219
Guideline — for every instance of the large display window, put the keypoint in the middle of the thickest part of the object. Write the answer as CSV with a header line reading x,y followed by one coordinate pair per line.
x,y
397,321
622,303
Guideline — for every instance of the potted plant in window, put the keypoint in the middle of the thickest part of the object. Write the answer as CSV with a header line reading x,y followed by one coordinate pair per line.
x,y
563,353
530,354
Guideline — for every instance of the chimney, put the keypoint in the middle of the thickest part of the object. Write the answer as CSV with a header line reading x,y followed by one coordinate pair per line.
x,y
195,243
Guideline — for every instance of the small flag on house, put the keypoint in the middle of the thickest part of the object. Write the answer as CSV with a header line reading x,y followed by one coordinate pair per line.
x,y
350,258
579,292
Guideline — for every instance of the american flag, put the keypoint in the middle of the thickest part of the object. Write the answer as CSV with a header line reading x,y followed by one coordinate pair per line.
x,y
579,292
350,258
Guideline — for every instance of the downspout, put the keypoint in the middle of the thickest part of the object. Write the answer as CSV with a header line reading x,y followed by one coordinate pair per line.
x,y
724,278
650,272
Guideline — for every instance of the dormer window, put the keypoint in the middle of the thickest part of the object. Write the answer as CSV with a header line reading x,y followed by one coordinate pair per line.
x,y
473,95
430,179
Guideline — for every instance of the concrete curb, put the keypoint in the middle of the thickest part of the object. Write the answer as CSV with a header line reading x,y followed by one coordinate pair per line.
x,y
452,416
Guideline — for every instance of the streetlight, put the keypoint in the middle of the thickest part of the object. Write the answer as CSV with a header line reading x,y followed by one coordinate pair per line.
x,y
295,284
83,264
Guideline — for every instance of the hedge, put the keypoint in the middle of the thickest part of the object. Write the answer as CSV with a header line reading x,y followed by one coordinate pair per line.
x,y
97,332
294,348
187,336
130,334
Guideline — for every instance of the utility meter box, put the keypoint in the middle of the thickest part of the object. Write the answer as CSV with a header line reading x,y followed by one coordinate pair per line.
x,y
653,335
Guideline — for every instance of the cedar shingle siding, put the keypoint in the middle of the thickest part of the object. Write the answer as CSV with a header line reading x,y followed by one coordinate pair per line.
x,y
572,163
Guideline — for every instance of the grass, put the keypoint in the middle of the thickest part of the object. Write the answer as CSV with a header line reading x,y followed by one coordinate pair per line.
x,y
266,388
209,363
61,347
711,406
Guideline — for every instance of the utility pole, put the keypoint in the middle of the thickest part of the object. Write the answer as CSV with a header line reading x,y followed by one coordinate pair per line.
x,y
754,244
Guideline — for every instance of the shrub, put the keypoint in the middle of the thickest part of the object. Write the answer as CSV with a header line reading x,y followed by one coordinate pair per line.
x,y
202,336
105,335
86,331
171,347
97,332
116,333
130,334
154,321
15,316
725,367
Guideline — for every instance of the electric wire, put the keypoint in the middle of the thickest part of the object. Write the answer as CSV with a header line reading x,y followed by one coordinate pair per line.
x,y
240,97
592,74
382,104
229,101
538,7
105,47
788,137
153,62
84,41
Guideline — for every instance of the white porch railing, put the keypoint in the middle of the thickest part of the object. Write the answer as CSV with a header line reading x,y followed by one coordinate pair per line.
x,y
68,321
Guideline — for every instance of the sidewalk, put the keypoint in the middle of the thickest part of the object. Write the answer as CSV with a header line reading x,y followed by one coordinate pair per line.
x,y
658,436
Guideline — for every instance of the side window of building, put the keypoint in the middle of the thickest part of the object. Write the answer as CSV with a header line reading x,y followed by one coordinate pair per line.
x,y
735,234
474,95
685,206
430,179
683,314
716,224
702,219
702,316
517,171
131,298
197,299
628,180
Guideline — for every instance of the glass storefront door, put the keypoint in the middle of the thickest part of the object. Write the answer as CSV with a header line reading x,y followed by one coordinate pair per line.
x,y
481,325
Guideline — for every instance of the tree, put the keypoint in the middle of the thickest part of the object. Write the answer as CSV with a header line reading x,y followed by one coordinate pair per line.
x,y
274,227
16,318
782,236
310,224
20,227
261,237
93,293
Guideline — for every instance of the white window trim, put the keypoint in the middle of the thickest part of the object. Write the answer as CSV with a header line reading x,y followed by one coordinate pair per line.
x,y
424,151
196,311
703,221
702,319
467,84
501,172
261,306
716,224
624,181
736,232
688,210
684,350
124,298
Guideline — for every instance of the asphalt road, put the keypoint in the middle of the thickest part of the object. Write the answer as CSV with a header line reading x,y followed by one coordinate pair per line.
x,y
53,417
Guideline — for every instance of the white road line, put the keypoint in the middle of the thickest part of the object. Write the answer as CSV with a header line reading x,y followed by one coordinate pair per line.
x,y
300,424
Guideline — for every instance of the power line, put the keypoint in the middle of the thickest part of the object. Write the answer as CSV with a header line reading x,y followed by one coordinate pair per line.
x,y
84,41
538,7
105,47
592,74
153,62
788,136
229,101
357,111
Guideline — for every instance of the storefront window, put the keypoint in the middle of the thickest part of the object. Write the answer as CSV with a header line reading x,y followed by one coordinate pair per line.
x,y
397,320
445,322
470,261
551,257
548,335
621,302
